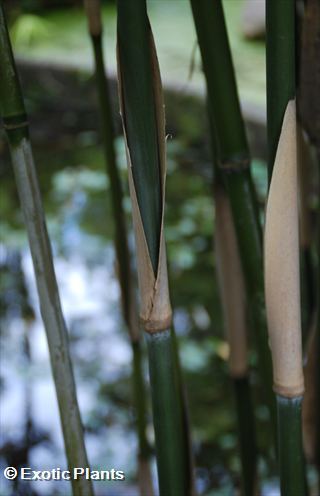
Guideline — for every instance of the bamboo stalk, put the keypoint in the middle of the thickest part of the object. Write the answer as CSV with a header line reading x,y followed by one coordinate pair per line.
x,y
247,441
142,112
311,401
234,161
233,297
282,287
282,244
143,123
16,126
309,115
232,291
129,304
281,86
318,340
305,166
292,476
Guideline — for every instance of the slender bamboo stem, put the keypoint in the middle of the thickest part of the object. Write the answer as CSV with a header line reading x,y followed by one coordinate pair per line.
x,y
233,153
185,417
142,115
16,125
317,344
281,84
282,288
121,242
133,31
129,304
247,440
233,299
168,415
141,400
281,89
292,474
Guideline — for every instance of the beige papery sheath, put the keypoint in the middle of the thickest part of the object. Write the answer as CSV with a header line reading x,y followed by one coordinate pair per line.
x,y
231,284
281,264
155,307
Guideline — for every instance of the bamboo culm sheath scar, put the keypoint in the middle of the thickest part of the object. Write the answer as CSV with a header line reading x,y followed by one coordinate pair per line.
x,y
15,122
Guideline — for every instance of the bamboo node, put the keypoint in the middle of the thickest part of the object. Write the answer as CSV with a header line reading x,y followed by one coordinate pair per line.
x,y
12,127
289,391
235,164
152,326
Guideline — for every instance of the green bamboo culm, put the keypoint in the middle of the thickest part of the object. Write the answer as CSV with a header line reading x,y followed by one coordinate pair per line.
x,y
129,304
108,136
173,460
234,161
281,82
143,122
318,343
15,123
247,441
281,91
133,25
292,475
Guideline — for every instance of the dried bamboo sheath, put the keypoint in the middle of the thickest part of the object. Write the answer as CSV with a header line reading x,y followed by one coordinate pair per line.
x,y
232,291
282,285
231,284
155,307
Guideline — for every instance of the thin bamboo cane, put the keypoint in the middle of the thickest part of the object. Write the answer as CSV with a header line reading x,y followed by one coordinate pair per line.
x,y
311,400
292,476
234,160
232,290
234,306
281,86
318,341
129,304
282,287
305,166
247,442
309,115
143,122
133,57
282,243
16,126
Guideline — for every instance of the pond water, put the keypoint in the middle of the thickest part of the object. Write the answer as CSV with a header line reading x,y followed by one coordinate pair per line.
x,y
76,198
